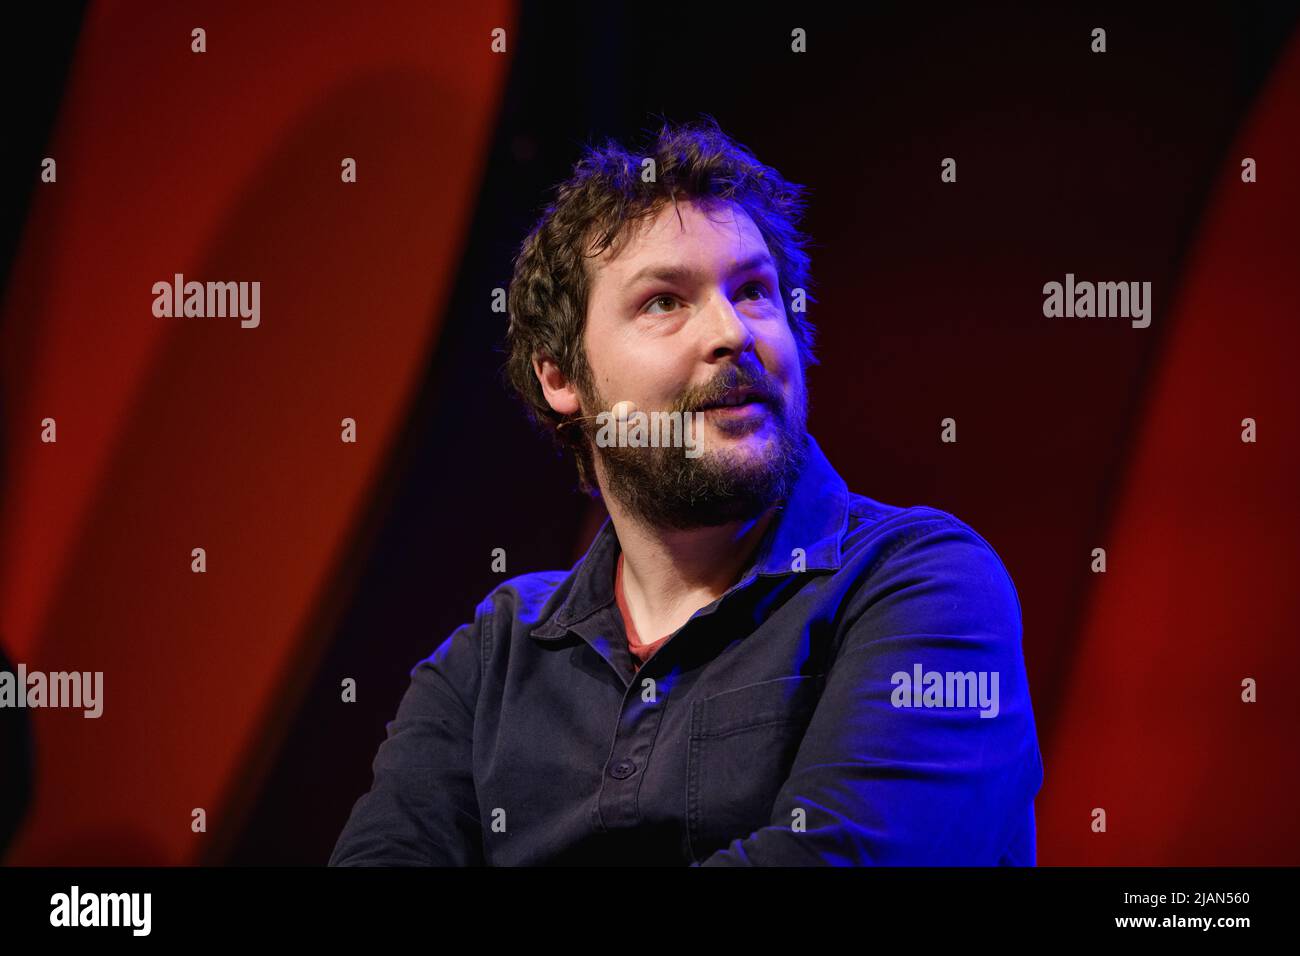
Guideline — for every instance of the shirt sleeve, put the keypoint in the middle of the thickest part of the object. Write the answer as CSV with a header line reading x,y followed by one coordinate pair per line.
x,y
881,778
421,809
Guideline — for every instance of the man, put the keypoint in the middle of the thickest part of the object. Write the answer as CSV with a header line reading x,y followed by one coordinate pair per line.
x,y
750,665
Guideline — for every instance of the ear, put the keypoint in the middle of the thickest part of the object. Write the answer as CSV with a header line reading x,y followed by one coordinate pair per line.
x,y
559,391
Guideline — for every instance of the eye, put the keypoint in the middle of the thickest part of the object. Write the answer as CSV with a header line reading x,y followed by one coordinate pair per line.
x,y
660,298
761,286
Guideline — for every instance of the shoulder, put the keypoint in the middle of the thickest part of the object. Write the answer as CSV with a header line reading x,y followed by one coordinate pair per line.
x,y
897,526
518,603
525,598
886,541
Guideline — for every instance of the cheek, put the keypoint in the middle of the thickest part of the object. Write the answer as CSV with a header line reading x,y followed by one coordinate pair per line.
x,y
788,369
636,375
603,360
781,354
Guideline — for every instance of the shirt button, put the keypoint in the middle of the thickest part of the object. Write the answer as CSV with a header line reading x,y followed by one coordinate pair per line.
x,y
622,769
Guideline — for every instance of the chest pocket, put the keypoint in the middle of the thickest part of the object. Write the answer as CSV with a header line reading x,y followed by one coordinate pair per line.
x,y
741,747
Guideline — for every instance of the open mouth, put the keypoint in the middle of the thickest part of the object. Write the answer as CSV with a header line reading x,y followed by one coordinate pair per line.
x,y
737,408
739,399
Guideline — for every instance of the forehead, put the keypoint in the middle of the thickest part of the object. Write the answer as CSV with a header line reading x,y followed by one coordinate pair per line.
x,y
687,233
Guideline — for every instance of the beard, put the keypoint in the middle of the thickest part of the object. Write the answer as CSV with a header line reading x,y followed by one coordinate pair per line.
x,y
664,488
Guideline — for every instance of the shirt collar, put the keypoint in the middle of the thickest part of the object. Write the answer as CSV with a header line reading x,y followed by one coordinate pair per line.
x,y
814,518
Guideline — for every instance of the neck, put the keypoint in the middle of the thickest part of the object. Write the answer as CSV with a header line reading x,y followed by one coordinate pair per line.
x,y
669,574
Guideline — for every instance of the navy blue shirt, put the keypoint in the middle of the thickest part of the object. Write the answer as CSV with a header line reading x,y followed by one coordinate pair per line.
x,y
858,697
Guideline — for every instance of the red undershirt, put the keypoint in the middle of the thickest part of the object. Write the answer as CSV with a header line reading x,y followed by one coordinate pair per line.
x,y
640,652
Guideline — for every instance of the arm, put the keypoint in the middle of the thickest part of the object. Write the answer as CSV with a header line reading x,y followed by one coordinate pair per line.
x,y
421,809
885,784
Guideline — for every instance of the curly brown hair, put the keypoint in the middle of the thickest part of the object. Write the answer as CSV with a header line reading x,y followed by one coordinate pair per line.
x,y
547,298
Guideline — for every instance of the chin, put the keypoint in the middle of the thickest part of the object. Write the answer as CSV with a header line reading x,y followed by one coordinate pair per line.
x,y
747,445
742,464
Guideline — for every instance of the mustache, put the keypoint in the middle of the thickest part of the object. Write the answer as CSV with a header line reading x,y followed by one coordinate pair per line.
x,y
700,398
760,386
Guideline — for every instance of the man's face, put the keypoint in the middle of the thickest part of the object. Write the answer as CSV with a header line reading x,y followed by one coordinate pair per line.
x,y
680,313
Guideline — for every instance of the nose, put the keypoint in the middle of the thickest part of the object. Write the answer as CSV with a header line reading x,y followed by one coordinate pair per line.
x,y
729,333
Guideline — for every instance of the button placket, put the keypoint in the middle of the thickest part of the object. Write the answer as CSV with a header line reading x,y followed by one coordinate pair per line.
x,y
634,739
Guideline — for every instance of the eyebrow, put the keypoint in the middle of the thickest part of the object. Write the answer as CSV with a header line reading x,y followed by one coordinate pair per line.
x,y
681,273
